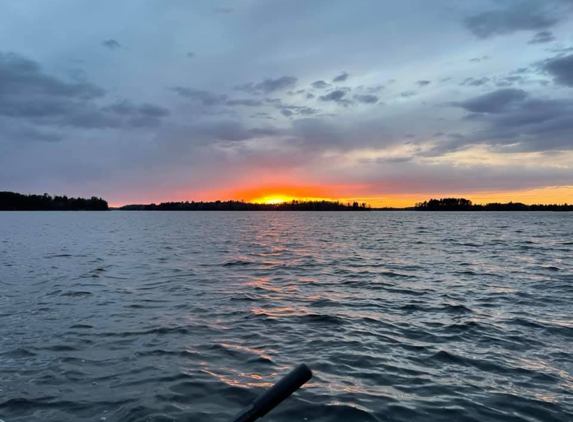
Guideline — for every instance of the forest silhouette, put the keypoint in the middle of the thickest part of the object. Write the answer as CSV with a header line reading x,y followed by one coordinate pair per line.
x,y
462,204
12,201
294,205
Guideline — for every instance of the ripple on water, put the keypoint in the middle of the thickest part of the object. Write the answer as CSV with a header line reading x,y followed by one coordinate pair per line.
x,y
189,316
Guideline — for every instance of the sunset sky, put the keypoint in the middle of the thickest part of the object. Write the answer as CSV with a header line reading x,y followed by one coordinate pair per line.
x,y
386,102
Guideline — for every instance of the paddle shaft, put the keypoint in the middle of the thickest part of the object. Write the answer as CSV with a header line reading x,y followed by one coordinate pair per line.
x,y
276,394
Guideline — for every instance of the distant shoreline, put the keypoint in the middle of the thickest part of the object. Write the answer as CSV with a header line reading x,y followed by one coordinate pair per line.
x,y
12,201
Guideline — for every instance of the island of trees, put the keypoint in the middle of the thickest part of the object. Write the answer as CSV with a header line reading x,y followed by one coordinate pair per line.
x,y
11,201
249,206
462,204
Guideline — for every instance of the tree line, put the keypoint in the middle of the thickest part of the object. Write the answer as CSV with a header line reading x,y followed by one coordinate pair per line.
x,y
462,204
12,201
249,206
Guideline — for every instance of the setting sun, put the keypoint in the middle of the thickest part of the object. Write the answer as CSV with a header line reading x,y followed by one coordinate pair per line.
x,y
273,200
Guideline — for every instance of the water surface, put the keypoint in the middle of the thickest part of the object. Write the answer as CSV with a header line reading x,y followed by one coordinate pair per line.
x,y
403,316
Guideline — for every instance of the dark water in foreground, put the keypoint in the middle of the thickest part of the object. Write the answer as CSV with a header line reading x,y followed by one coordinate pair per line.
x,y
187,316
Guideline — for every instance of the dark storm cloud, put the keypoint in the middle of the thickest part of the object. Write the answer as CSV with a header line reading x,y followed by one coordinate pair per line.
x,y
493,102
366,98
269,85
320,85
542,37
245,102
111,44
207,98
474,81
341,78
423,83
518,16
561,68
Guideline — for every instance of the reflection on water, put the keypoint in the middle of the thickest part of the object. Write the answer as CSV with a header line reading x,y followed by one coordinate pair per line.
x,y
189,316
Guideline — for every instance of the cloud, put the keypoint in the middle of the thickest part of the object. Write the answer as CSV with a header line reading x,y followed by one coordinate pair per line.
x,y
316,134
111,44
493,102
262,115
152,110
14,130
207,98
542,37
269,85
561,68
518,16
366,98
336,96
510,80
127,108
28,94
341,78
289,109
518,122
215,131
375,89
245,102
310,96
560,49
22,77
408,94
320,85
479,59
300,91
78,75
423,83
474,81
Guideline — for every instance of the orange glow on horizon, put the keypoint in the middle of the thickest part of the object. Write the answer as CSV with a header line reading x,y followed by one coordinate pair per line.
x,y
362,193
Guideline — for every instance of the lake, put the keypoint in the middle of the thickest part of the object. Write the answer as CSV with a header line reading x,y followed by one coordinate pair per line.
x,y
403,316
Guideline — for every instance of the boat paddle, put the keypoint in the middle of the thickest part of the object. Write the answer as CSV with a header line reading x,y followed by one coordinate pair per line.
x,y
275,395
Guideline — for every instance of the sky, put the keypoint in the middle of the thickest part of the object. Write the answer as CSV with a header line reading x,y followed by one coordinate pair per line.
x,y
386,102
